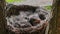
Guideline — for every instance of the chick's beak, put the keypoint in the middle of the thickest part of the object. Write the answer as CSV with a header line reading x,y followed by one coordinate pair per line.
x,y
37,21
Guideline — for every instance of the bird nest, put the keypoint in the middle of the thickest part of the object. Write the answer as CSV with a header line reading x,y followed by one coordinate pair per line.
x,y
25,18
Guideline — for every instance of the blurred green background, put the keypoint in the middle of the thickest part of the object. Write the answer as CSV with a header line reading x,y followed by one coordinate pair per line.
x,y
11,1
48,7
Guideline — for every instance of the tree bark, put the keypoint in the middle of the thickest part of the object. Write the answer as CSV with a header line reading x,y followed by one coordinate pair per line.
x,y
2,17
58,16
55,22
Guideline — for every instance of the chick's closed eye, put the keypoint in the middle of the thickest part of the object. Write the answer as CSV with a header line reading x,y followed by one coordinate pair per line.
x,y
42,17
